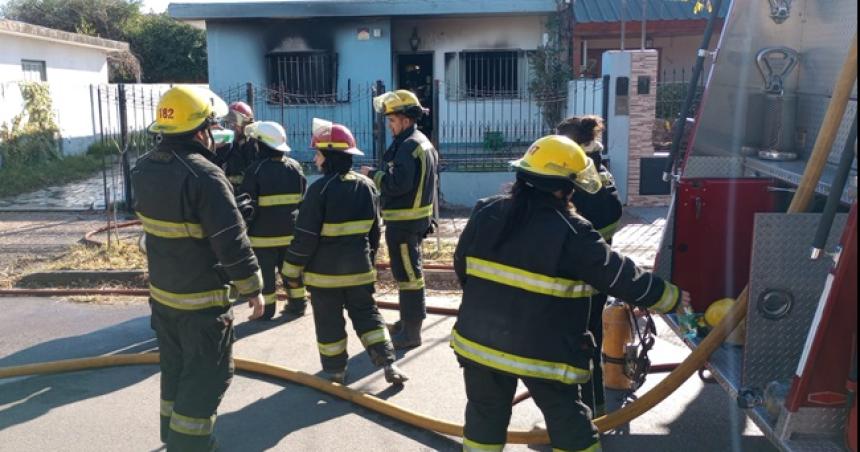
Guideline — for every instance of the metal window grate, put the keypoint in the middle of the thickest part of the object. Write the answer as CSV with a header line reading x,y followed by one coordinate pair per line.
x,y
493,74
302,77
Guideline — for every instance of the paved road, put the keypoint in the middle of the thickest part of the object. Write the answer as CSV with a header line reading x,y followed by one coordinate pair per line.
x,y
117,409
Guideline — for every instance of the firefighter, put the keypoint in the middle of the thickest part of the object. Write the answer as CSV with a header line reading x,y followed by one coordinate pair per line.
x,y
276,184
603,210
198,255
337,236
235,158
408,182
528,266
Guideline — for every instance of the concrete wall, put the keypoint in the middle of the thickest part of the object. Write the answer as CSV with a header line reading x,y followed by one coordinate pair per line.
x,y
465,189
66,63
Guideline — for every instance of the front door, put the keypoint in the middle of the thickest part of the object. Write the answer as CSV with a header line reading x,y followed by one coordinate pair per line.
x,y
415,73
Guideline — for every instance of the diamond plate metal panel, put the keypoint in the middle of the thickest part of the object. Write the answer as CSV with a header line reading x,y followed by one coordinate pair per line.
x,y
811,421
780,261
815,445
810,114
713,167
663,263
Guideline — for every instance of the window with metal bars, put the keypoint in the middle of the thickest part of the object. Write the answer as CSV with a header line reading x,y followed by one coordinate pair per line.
x,y
486,74
34,70
302,77
490,74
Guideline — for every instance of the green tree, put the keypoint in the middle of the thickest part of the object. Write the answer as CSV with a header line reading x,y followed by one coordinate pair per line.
x,y
169,51
550,73
103,18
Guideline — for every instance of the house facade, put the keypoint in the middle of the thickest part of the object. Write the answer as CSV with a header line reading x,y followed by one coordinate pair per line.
x,y
40,54
468,61
671,28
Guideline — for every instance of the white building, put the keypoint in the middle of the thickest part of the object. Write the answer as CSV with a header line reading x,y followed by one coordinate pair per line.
x,y
70,63
43,54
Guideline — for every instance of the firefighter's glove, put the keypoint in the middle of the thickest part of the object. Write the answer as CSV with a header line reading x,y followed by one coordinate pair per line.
x,y
434,226
246,207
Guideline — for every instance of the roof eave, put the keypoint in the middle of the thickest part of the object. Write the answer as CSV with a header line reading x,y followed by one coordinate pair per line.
x,y
359,8
21,29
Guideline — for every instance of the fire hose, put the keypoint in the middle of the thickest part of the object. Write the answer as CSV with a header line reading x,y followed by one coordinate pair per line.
x,y
697,359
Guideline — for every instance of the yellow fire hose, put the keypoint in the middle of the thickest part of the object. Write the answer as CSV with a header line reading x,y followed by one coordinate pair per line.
x,y
697,359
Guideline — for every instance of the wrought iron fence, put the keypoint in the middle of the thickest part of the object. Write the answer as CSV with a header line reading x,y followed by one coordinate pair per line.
x,y
484,131
350,105
672,92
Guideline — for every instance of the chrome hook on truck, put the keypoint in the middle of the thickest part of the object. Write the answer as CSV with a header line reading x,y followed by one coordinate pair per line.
x,y
768,66
780,10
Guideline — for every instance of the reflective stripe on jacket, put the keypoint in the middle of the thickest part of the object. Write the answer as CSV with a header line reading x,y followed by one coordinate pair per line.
x,y
526,299
195,236
408,181
337,233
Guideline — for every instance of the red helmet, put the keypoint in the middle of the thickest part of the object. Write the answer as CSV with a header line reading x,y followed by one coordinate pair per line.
x,y
240,114
328,136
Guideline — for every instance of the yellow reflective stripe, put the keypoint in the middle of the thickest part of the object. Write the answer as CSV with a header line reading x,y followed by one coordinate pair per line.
x,y
517,365
271,242
190,301
194,426
170,229
331,145
296,293
407,214
526,280
419,153
333,348
406,261
375,337
667,303
608,231
335,281
291,271
377,179
348,228
418,284
166,408
270,298
596,447
279,200
250,284
470,446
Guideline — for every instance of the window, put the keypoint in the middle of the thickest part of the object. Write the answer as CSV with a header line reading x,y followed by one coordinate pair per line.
x,y
34,71
490,74
302,77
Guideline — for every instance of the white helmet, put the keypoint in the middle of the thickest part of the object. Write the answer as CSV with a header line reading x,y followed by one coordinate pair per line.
x,y
269,133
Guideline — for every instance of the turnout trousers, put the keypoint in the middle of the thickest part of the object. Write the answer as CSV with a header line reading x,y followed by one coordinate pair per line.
x,y
404,250
271,261
488,411
593,392
328,306
196,350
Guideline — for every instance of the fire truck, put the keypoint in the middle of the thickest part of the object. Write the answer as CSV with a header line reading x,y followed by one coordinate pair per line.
x,y
764,208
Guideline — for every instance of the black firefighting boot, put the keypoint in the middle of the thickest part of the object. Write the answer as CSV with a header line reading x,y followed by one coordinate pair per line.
x,y
336,377
394,328
409,335
296,308
394,375
268,312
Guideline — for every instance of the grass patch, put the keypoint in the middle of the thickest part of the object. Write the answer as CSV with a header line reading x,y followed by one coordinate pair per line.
x,y
16,180
443,255
121,256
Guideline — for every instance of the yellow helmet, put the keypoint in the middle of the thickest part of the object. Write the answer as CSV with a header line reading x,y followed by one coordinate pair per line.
x,y
400,101
185,108
559,157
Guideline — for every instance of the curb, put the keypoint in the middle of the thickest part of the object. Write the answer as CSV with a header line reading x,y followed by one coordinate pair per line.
x,y
444,278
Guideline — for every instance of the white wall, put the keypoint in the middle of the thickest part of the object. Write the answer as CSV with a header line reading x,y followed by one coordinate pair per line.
x,y
520,120
64,62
